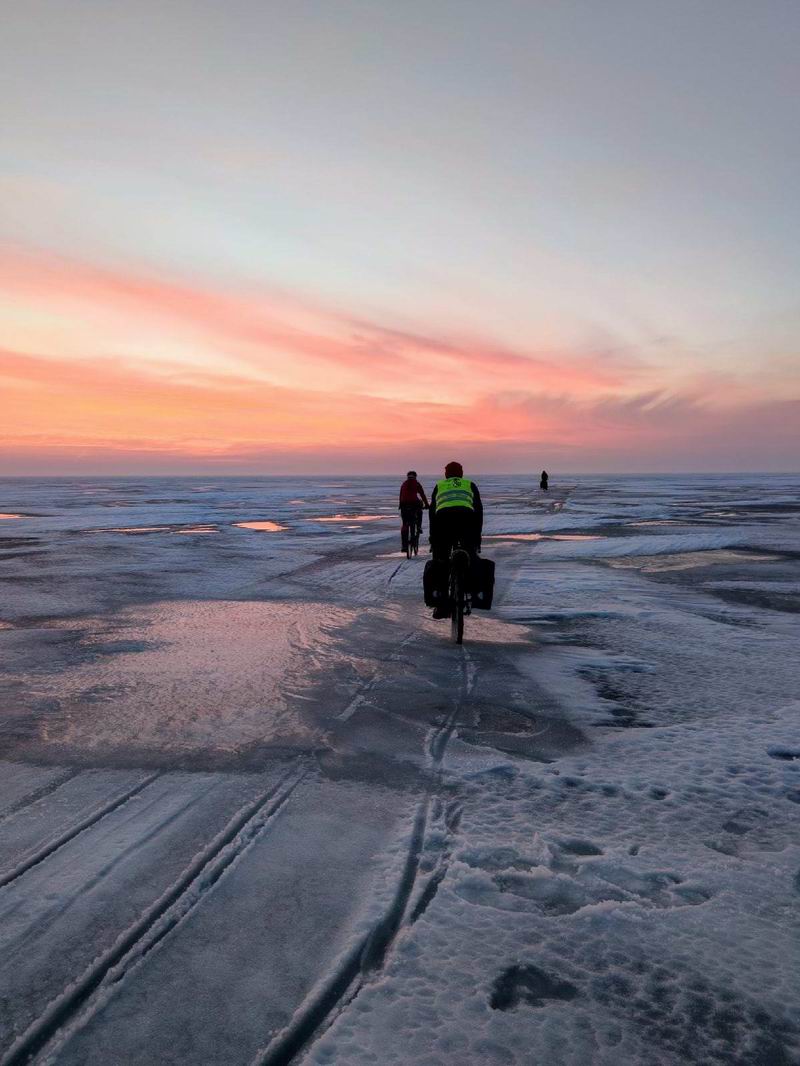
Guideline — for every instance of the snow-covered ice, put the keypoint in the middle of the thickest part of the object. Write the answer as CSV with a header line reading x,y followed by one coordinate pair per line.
x,y
256,808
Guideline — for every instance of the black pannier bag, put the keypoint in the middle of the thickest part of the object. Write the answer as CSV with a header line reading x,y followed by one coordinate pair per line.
x,y
482,583
434,581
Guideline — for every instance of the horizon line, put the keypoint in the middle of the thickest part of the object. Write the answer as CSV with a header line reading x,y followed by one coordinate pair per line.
x,y
395,474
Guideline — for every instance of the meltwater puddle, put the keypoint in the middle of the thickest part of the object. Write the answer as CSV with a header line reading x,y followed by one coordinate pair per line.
x,y
262,527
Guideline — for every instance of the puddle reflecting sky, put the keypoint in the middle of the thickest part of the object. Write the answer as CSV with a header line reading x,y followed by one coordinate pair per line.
x,y
262,527
353,518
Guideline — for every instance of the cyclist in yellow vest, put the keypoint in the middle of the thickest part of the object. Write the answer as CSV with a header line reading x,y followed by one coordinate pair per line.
x,y
456,513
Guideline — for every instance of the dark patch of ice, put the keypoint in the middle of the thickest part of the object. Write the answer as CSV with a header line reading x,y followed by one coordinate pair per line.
x,y
528,985
580,847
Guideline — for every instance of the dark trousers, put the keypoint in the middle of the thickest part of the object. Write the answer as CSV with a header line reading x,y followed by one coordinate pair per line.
x,y
451,525
411,513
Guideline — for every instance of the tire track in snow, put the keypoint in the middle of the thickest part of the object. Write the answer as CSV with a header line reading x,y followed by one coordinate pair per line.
x,y
45,920
450,818
153,925
361,697
336,992
54,845
393,575
37,794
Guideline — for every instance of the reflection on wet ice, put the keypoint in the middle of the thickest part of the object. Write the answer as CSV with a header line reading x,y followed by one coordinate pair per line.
x,y
353,518
185,678
263,527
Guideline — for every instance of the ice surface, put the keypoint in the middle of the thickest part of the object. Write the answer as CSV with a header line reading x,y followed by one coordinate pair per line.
x,y
209,679
256,807
689,560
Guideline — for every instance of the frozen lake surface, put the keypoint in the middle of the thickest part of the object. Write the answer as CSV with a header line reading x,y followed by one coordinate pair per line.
x,y
256,808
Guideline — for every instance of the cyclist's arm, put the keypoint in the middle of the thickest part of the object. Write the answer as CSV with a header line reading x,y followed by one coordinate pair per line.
x,y
432,512
421,492
478,505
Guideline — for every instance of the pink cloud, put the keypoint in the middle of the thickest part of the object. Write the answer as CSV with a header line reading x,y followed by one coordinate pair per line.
x,y
284,383
288,337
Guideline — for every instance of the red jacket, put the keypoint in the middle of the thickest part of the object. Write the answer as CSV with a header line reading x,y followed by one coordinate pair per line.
x,y
410,491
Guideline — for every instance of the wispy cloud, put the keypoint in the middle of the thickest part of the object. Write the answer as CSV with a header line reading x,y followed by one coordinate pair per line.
x,y
274,335
114,370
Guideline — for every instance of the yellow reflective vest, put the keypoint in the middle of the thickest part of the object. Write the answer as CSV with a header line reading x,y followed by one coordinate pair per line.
x,y
454,492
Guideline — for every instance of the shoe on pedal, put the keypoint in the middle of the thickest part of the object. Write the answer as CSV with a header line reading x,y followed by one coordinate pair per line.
x,y
441,612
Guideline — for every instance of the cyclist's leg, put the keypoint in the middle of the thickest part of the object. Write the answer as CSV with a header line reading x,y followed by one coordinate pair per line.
x,y
441,545
417,524
443,539
404,531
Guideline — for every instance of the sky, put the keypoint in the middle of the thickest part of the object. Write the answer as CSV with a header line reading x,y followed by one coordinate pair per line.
x,y
327,236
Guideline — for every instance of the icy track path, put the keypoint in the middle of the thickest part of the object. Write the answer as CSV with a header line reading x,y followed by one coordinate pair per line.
x,y
285,820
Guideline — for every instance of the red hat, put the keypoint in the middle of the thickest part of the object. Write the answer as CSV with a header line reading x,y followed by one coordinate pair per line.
x,y
454,470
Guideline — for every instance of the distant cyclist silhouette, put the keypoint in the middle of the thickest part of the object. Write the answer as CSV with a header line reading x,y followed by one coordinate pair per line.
x,y
544,480
412,501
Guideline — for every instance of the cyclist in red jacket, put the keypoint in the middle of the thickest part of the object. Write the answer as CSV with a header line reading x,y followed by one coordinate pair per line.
x,y
412,502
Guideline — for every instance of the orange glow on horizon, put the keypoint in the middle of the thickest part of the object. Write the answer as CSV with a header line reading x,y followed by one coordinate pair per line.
x,y
95,363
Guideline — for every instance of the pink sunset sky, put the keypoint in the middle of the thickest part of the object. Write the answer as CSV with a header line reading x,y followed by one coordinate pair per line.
x,y
329,237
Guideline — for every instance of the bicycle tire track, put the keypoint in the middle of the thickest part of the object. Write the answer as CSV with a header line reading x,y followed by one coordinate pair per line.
x,y
37,794
366,957
55,845
394,574
48,919
153,925
332,996
451,821
440,738
361,697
